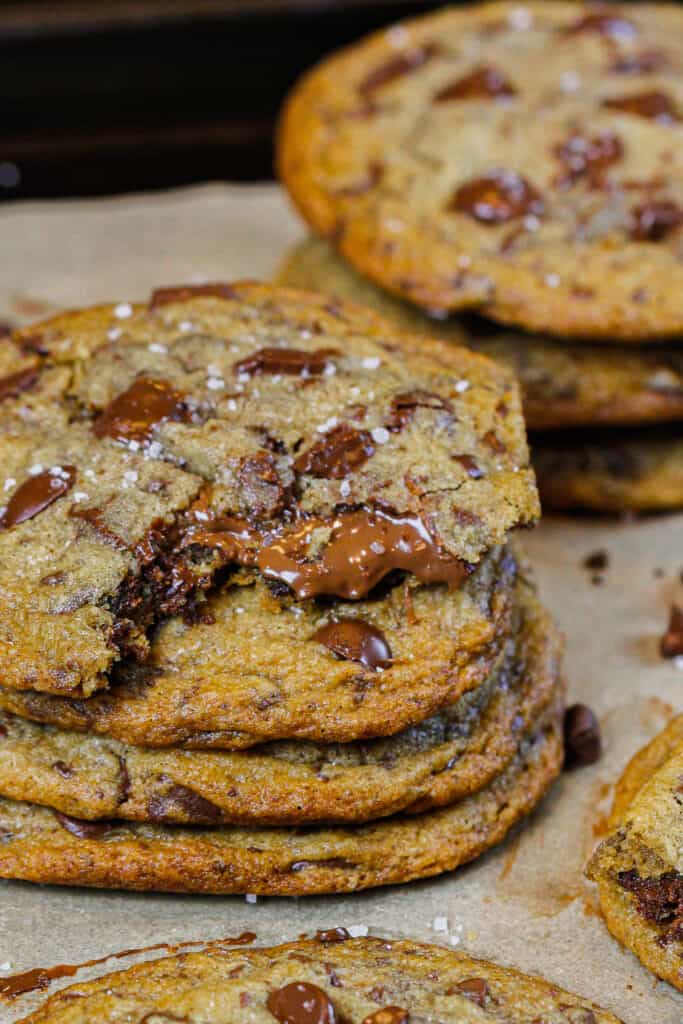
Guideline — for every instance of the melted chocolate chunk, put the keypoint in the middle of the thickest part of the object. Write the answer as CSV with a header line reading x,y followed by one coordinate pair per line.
x,y
403,407
355,640
659,900
84,829
588,158
6,329
301,1003
604,23
474,989
289,361
671,644
388,1015
198,810
13,385
582,737
652,222
36,494
133,415
497,197
181,293
469,465
402,64
331,935
337,453
361,548
482,83
95,518
643,63
657,106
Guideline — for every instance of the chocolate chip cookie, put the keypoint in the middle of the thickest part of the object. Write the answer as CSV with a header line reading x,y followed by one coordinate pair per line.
x,y
563,385
227,429
611,471
264,666
523,160
639,867
320,981
44,846
445,758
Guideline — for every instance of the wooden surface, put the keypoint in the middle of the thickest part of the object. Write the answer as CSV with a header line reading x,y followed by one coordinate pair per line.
x,y
105,97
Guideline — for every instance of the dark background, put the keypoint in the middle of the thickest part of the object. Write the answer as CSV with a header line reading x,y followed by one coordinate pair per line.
x,y
99,97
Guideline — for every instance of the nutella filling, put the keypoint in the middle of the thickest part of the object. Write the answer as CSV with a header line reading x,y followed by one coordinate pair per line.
x,y
344,555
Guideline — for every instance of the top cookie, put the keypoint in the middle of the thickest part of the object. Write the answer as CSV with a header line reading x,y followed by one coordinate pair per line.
x,y
247,426
525,160
325,980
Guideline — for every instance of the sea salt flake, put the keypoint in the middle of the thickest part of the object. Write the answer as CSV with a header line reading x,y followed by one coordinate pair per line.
x,y
552,280
123,310
185,326
380,435
79,496
114,333
357,931
345,488
130,475
251,897
570,81
215,383
35,470
157,348
440,924
520,18
462,386
9,483
371,362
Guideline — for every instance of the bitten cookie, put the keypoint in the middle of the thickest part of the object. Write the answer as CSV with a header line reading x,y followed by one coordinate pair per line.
x,y
524,160
235,428
639,867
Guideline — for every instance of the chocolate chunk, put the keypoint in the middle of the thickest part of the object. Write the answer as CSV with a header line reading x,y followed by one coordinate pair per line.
x,y
497,197
331,935
388,1015
84,829
197,809
582,738
337,453
133,415
597,560
264,492
286,361
6,329
604,23
657,106
63,769
370,180
474,989
13,385
659,900
355,640
36,494
181,293
469,465
403,407
652,222
643,63
483,82
671,645
588,158
301,1003
363,546
398,66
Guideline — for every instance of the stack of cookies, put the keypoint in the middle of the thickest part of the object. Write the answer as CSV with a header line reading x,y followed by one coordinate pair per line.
x,y
263,625
521,164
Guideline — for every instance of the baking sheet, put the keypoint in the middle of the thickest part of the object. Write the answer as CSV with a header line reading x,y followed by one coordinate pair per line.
x,y
526,903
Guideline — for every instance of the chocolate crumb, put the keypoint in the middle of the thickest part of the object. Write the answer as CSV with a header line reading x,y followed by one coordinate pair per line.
x,y
671,645
597,560
582,737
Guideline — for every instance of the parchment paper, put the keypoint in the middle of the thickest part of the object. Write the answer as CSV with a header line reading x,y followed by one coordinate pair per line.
x,y
526,903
